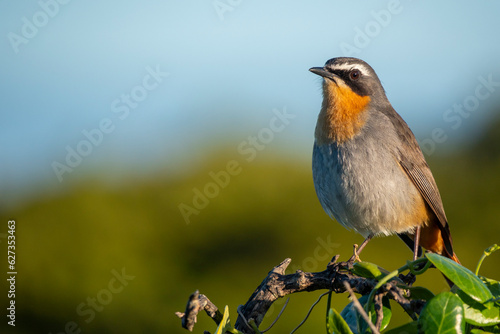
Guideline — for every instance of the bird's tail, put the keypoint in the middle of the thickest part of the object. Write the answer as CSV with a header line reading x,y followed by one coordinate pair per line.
x,y
431,239
454,258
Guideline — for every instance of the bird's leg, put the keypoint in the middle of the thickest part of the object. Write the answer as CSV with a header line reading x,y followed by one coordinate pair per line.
x,y
357,250
364,243
410,278
416,241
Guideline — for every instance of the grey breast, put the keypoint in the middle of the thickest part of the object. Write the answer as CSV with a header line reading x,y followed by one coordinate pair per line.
x,y
360,182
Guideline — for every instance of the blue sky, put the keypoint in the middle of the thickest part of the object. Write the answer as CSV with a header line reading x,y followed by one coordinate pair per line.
x,y
225,66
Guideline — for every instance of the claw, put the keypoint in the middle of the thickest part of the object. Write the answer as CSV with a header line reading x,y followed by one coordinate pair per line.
x,y
355,256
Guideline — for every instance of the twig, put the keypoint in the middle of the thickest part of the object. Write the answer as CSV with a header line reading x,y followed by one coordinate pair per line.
x,y
397,294
379,309
242,316
279,315
360,309
309,312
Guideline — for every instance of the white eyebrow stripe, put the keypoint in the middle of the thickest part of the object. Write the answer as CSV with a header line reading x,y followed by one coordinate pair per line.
x,y
364,70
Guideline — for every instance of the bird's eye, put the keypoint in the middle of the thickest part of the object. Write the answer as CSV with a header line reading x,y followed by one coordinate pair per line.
x,y
354,74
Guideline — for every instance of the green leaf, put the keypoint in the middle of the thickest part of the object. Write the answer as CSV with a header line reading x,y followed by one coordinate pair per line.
x,y
221,329
418,292
368,270
462,277
492,285
328,306
350,315
357,324
387,313
492,329
336,324
486,330
409,328
479,314
442,314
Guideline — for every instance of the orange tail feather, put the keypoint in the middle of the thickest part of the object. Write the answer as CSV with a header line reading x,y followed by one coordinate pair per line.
x,y
432,240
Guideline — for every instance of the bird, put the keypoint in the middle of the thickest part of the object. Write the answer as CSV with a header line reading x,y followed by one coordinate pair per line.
x,y
369,172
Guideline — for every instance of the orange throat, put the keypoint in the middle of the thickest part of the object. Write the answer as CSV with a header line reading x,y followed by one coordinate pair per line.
x,y
342,113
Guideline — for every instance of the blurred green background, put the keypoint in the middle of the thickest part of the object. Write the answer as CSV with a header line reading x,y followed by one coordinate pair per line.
x,y
107,249
69,244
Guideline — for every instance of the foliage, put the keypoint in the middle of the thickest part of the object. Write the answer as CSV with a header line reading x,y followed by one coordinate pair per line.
x,y
472,305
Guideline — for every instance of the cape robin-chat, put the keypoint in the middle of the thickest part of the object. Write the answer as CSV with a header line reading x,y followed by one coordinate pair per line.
x,y
369,172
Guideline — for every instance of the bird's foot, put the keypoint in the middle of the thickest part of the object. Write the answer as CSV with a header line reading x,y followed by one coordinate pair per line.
x,y
354,256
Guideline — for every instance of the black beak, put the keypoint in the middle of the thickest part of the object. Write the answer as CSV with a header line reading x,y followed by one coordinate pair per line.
x,y
323,73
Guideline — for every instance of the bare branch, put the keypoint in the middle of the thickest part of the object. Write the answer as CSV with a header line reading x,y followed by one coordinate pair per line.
x,y
196,303
277,285
360,309
379,309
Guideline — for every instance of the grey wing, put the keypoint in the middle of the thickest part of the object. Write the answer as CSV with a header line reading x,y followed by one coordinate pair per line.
x,y
413,163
